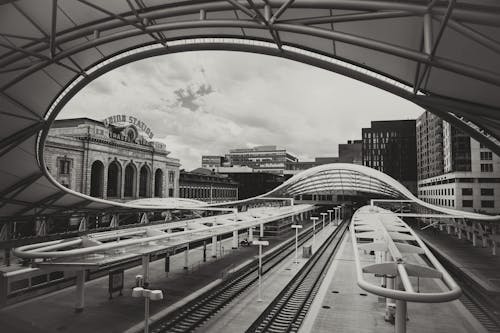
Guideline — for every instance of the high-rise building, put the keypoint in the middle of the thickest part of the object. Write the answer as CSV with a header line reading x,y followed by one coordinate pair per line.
x,y
430,160
351,152
390,147
459,173
268,159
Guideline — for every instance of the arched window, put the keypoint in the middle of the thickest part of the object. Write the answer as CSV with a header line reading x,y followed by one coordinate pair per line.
x,y
96,179
114,180
158,183
144,181
129,181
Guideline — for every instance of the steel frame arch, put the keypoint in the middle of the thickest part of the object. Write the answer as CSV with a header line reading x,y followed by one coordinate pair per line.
x,y
141,20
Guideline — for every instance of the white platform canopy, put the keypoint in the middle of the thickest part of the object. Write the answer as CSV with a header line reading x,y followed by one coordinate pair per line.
x,y
360,180
442,55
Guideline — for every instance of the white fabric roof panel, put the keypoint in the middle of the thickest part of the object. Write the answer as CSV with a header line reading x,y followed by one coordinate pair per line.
x,y
336,178
41,54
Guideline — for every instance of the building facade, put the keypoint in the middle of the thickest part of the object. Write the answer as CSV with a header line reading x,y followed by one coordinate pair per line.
x,y
293,168
430,159
250,182
205,185
351,152
212,161
390,147
470,176
110,160
269,159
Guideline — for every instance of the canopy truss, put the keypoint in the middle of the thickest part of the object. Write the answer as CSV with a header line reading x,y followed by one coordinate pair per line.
x,y
441,55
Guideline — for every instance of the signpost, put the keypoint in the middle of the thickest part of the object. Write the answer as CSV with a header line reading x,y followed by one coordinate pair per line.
x,y
115,282
260,243
296,227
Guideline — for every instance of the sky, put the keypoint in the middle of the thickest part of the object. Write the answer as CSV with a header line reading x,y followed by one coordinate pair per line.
x,y
207,102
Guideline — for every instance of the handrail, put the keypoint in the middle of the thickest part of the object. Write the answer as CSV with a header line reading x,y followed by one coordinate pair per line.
x,y
384,242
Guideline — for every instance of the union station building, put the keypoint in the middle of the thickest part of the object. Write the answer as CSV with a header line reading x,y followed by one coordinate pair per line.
x,y
113,159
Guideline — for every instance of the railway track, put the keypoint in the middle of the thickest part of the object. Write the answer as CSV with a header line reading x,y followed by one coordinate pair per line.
x,y
288,310
195,313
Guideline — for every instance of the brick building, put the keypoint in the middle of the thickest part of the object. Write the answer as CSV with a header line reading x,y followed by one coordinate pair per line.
x,y
205,185
113,160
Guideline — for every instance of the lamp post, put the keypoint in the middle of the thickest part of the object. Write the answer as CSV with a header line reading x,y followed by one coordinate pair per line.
x,y
330,211
296,227
260,243
314,219
154,295
323,215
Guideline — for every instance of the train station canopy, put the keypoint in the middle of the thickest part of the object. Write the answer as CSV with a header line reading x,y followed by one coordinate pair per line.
x,y
441,55
362,181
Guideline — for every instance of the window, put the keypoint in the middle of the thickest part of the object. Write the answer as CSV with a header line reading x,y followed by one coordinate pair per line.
x,y
487,191
467,203
64,166
170,192
487,204
486,167
171,176
466,191
486,155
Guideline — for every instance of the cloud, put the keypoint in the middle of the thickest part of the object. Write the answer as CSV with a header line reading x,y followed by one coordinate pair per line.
x,y
188,97
209,102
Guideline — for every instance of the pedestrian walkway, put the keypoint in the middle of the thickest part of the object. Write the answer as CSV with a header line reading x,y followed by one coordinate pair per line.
x,y
342,306
477,263
242,312
55,312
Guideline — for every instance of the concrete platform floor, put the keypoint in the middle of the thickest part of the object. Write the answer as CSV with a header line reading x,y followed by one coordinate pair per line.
x,y
341,306
478,263
55,312
242,312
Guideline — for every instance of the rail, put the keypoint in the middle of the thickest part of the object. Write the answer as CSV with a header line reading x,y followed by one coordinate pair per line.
x,y
287,311
198,311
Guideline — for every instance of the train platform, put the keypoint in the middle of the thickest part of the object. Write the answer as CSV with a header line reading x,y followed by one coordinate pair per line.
x,y
239,315
342,305
54,312
477,263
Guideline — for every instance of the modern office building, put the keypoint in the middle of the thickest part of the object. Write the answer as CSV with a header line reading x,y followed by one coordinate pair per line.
x,y
114,159
212,161
430,159
462,174
268,159
390,147
251,182
351,152
205,185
